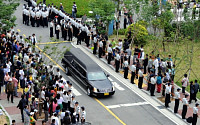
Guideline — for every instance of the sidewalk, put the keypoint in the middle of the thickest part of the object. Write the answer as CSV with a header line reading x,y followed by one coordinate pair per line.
x,y
158,96
11,108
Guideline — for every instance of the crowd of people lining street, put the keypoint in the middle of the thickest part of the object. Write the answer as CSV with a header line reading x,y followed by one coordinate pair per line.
x,y
44,90
22,66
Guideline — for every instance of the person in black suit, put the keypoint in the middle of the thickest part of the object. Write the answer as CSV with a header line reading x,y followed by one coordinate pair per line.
x,y
1,77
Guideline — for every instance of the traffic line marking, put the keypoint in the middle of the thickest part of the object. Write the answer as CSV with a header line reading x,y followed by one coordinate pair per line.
x,y
52,42
18,30
127,105
24,35
110,79
118,86
94,98
75,92
110,111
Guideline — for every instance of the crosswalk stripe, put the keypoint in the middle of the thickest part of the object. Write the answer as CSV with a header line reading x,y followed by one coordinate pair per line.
x,y
110,79
127,105
75,92
118,86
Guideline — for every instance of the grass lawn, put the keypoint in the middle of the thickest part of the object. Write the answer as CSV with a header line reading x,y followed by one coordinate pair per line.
x,y
82,5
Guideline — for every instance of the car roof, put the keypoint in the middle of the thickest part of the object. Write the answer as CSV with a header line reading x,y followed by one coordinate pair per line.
x,y
84,60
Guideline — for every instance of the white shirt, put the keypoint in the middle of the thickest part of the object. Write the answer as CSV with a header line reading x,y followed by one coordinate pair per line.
x,y
185,82
140,73
155,63
185,101
95,39
38,14
60,100
21,73
117,57
58,27
153,81
126,64
65,98
177,95
195,110
51,24
42,94
168,90
77,109
120,45
164,64
83,115
33,38
109,50
100,44
133,68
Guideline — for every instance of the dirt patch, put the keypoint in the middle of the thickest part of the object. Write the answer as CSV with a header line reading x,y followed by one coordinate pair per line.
x,y
3,120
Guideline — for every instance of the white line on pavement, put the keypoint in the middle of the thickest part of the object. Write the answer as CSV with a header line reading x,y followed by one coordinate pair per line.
x,y
118,86
127,105
110,79
76,93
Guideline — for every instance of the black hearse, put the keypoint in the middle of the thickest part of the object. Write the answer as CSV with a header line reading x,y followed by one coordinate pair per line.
x,y
87,72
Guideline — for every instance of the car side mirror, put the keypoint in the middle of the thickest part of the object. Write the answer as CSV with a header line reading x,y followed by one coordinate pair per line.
x,y
107,75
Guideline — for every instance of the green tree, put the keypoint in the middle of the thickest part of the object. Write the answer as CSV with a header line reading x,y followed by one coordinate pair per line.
x,y
7,20
104,9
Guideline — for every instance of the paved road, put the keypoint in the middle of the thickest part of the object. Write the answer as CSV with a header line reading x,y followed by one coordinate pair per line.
x,y
125,107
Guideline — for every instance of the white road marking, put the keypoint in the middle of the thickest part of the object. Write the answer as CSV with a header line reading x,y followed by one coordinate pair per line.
x,y
118,86
110,79
127,105
74,91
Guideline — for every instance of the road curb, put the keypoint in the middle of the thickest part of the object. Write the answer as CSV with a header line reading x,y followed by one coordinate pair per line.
x,y
10,120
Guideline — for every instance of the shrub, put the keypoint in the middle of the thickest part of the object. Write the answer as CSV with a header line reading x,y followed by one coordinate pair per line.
x,y
139,31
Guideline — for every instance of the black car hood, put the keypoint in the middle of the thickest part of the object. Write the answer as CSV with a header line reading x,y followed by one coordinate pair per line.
x,y
101,84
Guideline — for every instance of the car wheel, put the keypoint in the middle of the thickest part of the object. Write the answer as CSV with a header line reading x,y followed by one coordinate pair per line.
x,y
67,71
89,92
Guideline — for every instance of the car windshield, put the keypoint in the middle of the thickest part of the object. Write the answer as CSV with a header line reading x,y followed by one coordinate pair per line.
x,y
94,76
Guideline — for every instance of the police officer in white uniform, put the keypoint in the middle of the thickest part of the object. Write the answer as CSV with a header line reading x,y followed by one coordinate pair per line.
x,y
58,29
185,105
109,53
153,82
44,18
33,18
27,13
95,45
177,100
126,68
140,73
133,69
117,61
77,110
38,16
167,96
83,114
195,114
100,48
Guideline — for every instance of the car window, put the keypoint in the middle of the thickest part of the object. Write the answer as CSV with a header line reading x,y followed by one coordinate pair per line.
x,y
79,68
94,76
